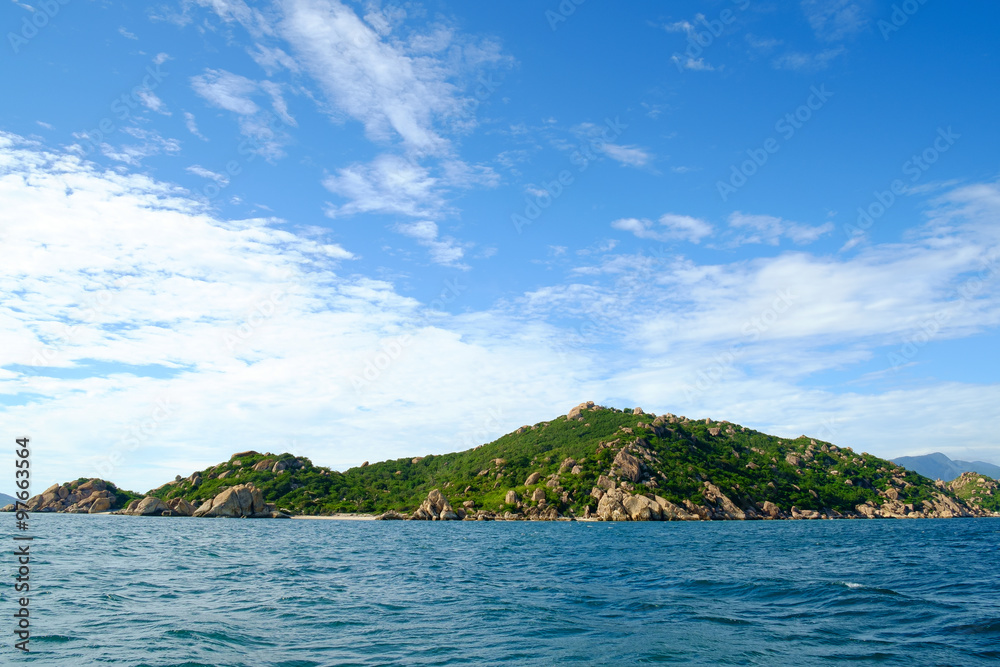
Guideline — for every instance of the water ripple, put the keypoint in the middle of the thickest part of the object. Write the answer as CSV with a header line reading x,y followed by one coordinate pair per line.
x,y
165,593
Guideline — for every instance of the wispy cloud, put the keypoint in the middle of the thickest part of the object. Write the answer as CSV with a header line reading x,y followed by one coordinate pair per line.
x,y
770,230
393,94
389,184
192,125
833,20
631,156
236,93
807,62
669,227
444,250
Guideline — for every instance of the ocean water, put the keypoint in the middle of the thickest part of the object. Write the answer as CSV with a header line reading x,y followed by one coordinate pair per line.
x,y
166,591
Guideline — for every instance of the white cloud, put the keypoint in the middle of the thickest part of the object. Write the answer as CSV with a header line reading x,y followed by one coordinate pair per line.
x,y
807,62
679,26
769,229
695,64
389,184
836,19
670,227
234,93
126,34
226,90
192,126
152,102
151,143
445,251
395,95
198,170
254,337
631,156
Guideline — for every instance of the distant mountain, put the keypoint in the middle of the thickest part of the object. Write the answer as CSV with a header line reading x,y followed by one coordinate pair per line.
x,y
939,466
6,500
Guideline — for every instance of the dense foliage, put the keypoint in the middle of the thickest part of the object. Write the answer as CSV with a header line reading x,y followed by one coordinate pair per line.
x,y
748,466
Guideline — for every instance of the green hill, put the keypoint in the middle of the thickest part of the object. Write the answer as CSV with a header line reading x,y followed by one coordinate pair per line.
x,y
705,466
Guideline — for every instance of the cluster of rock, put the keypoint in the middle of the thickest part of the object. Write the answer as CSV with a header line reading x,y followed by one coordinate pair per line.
x,y
240,501
437,508
90,497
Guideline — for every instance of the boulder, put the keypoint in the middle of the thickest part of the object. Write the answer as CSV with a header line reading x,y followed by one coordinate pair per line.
x,y
628,466
533,478
181,507
641,508
538,495
435,508
610,507
391,515
724,506
672,512
149,506
638,411
100,505
242,500
264,464
278,467
577,470
511,498
567,464
575,412
772,510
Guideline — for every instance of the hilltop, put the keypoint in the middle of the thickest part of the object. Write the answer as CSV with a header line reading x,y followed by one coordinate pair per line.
x,y
594,461
566,467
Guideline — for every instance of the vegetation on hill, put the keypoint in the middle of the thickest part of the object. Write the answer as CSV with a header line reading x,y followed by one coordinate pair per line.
x,y
674,456
977,489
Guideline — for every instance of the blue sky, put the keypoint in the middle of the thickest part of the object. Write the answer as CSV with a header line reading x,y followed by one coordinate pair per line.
x,y
366,230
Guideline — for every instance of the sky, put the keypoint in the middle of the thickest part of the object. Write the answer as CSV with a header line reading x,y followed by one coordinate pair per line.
x,y
358,231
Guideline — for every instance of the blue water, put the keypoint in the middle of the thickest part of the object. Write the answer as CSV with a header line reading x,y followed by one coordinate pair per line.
x,y
168,591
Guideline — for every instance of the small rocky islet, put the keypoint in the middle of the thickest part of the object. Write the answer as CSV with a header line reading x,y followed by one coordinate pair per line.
x,y
594,463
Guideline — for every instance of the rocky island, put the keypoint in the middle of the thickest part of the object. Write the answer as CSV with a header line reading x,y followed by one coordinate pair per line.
x,y
593,463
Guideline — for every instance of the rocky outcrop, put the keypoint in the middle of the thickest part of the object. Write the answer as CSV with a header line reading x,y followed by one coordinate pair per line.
x,y
627,466
148,506
574,413
240,501
435,508
89,497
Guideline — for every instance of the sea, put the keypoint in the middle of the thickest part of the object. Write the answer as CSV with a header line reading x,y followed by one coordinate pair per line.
x,y
138,591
